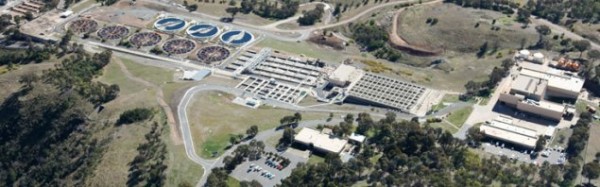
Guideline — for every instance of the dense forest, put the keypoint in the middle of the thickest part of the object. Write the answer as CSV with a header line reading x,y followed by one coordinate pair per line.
x,y
413,154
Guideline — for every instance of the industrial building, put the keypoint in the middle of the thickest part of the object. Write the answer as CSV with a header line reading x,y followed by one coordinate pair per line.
x,y
321,142
381,91
531,91
344,74
289,69
264,88
503,129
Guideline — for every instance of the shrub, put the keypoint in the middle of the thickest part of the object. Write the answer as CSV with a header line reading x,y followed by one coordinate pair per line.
x,y
135,115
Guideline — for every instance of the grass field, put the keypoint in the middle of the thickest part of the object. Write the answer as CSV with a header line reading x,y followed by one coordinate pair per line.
x,y
459,117
114,165
82,5
308,49
456,29
314,159
212,125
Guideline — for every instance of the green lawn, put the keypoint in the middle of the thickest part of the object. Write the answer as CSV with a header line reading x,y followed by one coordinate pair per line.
x,y
444,126
232,182
314,159
459,117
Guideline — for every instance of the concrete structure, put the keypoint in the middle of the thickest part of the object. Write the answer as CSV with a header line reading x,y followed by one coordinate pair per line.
x,y
264,88
503,129
195,75
203,31
170,24
344,74
281,67
381,91
320,141
236,38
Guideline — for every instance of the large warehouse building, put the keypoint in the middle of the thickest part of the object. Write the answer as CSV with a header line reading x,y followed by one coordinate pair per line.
x,y
531,91
503,129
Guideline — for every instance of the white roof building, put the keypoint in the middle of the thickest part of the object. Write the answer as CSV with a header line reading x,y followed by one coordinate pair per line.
x,y
320,141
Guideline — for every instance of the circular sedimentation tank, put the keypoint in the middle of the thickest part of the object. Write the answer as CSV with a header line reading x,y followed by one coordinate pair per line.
x,y
212,54
113,32
179,46
203,31
170,24
83,26
144,39
236,37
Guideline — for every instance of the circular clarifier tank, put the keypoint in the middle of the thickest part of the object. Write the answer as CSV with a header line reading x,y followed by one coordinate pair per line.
x,y
236,37
170,24
203,31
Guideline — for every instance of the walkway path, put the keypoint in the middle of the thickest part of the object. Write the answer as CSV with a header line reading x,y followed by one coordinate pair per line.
x,y
159,98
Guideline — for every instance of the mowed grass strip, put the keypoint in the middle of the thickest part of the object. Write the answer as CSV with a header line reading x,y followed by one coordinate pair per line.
x,y
214,118
459,117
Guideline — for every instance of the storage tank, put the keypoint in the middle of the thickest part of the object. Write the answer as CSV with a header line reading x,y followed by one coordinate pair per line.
x,y
524,54
538,57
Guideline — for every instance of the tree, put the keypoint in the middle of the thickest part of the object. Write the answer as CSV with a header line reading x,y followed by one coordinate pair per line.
x,y
581,46
297,117
540,144
591,171
135,115
252,131
474,135
593,55
543,29
288,136
482,50
233,11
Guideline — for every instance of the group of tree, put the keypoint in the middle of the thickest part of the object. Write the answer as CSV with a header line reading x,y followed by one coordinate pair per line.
x,y
505,6
484,88
373,38
148,167
413,154
291,120
312,16
268,9
45,131
135,115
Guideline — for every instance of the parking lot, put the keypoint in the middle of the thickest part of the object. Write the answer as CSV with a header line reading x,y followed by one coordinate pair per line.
x,y
552,155
266,174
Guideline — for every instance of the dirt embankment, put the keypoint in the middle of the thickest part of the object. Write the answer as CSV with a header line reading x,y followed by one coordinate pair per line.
x,y
400,44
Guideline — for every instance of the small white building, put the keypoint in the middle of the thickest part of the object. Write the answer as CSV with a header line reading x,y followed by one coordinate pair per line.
x,y
66,14
344,75
357,138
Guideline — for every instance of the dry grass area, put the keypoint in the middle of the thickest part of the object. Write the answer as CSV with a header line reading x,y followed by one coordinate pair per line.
x,y
592,148
114,165
10,79
456,28
310,49
587,30
213,118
